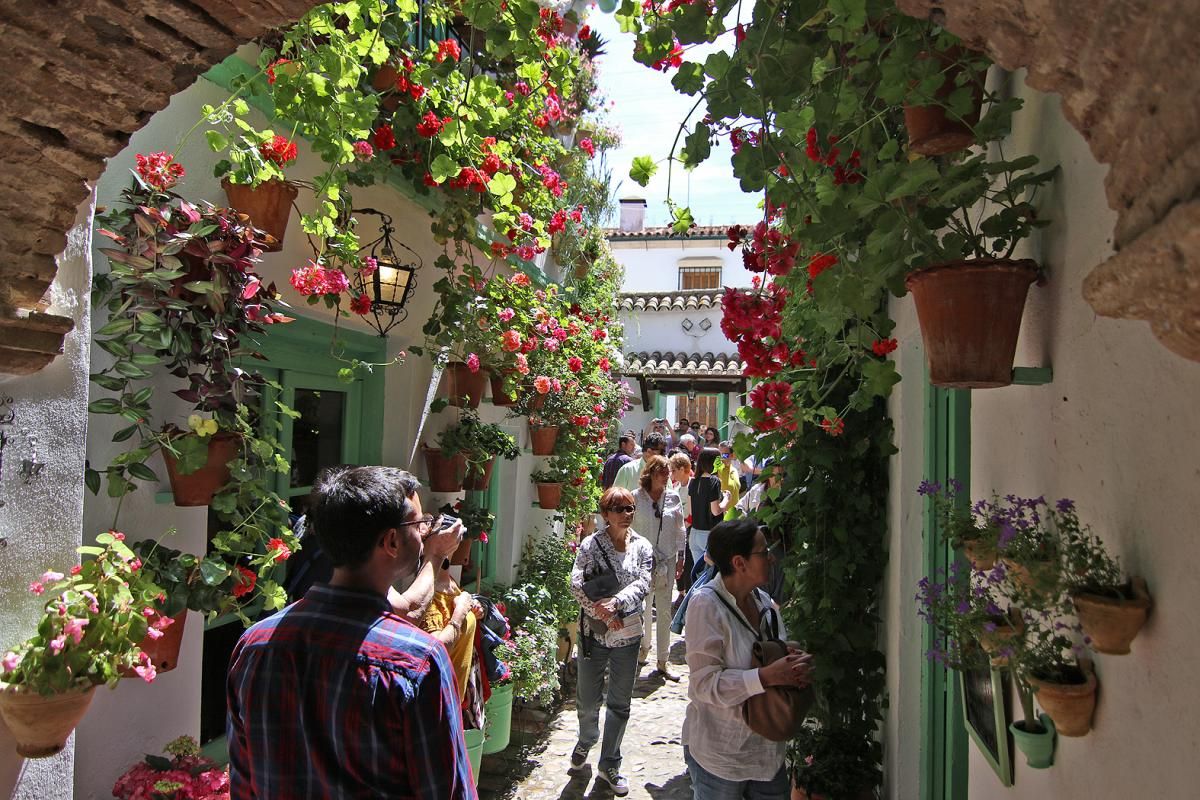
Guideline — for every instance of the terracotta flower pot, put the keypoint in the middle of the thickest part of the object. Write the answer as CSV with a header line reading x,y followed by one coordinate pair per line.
x,y
163,652
932,130
40,725
197,488
549,495
1070,705
1113,623
970,314
499,397
269,206
542,439
1005,634
1040,577
982,556
385,81
463,388
445,473
532,400
478,480
462,554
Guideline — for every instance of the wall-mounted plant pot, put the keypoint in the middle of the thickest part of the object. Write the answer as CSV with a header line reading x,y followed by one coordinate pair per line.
x,y
1113,622
499,396
1007,632
1070,705
463,388
981,555
445,473
477,479
542,439
549,495
1038,577
1038,747
163,652
269,206
498,713
934,131
385,81
41,725
461,556
970,314
197,488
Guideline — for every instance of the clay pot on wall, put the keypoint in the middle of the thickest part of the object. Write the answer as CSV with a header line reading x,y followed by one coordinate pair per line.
x,y
1038,747
549,495
982,556
1070,705
41,725
269,205
197,488
461,556
462,387
1111,622
163,652
1039,577
934,131
499,397
478,477
542,439
445,473
970,314
1006,632
385,81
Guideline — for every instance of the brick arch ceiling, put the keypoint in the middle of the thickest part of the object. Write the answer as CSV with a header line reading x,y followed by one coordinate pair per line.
x,y
80,77
1126,71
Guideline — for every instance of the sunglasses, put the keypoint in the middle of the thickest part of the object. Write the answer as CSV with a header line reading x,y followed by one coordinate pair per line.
x,y
622,509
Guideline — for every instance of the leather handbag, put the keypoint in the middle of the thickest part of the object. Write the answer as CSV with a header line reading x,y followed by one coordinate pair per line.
x,y
603,584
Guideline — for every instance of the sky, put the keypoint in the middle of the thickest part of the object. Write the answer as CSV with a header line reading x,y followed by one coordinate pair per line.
x,y
648,111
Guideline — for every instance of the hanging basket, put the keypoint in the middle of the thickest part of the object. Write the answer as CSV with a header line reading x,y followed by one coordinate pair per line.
x,y
549,495
163,652
463,388
445,474
1070,705
970,314
932,130
478,479
499,397
41,725
269,205
197,488
1112,623
542,439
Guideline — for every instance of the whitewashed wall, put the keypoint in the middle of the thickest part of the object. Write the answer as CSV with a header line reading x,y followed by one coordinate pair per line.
x,y
653,265
1117,432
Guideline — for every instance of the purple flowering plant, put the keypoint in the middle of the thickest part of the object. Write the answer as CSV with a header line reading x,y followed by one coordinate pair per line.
x,y
1088,568
959,522
961,605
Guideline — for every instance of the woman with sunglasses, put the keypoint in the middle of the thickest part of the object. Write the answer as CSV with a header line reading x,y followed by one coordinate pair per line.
x,y
610,630
659,517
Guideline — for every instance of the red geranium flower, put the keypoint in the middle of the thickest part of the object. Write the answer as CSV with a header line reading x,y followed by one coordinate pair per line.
x,y
244,580
881,347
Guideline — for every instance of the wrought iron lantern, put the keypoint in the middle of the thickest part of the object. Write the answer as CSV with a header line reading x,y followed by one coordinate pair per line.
x,y
392,281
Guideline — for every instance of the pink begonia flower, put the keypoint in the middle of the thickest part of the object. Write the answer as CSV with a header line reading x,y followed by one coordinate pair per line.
x,y
507,314
74,628
49,576
10,662
148,612
162,623
57,644
147,673
37,588
370,264
154,633
542,384
550,344
473,362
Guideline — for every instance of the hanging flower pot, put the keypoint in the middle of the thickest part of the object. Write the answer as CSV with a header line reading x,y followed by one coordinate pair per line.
x,y
542,439
934,131
163,652
1113,622
197,488
1038,747
1007,630
461,556
499,396
40,725
549,495
474,739
498,713
981,554
479,476
269,205
970,314
445,473
463,388
535,401
1070,705
385,81
1039,577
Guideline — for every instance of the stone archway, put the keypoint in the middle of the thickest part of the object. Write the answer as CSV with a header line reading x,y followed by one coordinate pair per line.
x,y
82,76
1124,69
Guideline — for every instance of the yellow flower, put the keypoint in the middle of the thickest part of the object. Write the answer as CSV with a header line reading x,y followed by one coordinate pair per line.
x,y
202,427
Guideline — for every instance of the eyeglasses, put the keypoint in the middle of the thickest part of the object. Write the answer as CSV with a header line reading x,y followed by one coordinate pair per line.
x,y
426,522
766,553
622,509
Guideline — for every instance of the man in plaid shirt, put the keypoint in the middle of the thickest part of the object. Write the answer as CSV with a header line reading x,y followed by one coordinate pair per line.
x,y
338,695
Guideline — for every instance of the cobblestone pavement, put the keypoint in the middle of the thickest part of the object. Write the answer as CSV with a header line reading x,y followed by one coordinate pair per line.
x,y
653,755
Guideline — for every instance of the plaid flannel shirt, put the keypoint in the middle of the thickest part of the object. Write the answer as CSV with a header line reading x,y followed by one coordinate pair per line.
x,y
336,696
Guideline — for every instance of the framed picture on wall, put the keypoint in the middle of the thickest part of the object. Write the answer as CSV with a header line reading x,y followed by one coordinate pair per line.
x,y
986,713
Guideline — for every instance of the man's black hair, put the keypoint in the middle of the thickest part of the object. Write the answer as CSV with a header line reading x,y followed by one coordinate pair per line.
x,y
729,538
655,442
626,438
353,506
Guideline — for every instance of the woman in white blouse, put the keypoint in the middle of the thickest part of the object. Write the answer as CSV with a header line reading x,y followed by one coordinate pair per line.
x,y
610,631
726,760
659,518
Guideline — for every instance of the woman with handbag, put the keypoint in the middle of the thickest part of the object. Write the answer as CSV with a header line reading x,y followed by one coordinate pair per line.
x,y
610,580
726,618
659,517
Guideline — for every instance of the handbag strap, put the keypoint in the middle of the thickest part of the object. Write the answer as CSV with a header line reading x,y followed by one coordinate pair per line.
x,y
758,637
604,555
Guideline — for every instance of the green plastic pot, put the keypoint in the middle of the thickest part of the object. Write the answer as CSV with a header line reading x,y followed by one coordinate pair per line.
x,y
1037,747
497,712
474,738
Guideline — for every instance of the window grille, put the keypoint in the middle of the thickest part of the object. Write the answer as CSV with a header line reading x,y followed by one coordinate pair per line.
x,y
699,278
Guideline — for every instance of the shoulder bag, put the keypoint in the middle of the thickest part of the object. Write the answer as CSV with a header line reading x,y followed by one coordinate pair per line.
x,y
604,583
778,713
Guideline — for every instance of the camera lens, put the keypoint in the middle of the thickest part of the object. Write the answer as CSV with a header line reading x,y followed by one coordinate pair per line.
x,y
447,521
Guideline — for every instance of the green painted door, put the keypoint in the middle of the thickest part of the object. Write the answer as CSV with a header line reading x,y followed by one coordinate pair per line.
x,y
943,736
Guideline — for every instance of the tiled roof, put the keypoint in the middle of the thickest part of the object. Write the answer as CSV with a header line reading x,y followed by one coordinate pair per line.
x,y
665,232
689,300
686,364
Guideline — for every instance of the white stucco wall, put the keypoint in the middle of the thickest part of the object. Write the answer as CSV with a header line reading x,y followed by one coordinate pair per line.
x,y
1117,432
653,265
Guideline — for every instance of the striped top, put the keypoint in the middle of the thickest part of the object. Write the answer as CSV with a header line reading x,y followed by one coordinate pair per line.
x,y
336,696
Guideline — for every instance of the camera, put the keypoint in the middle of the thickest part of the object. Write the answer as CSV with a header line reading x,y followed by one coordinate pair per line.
x,y
446,521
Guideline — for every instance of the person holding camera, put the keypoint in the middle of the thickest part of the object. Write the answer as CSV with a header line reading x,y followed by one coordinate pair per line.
x,y
339,695
659,426
610,580
451,618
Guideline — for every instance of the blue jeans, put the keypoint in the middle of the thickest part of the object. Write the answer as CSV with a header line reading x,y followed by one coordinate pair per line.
x,y
698,542
706,786
621,664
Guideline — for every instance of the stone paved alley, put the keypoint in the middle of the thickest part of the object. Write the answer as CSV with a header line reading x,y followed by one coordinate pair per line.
x,y
652,751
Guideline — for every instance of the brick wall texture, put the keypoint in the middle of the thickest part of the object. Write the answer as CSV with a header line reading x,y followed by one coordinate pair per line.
x,y
1125,71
